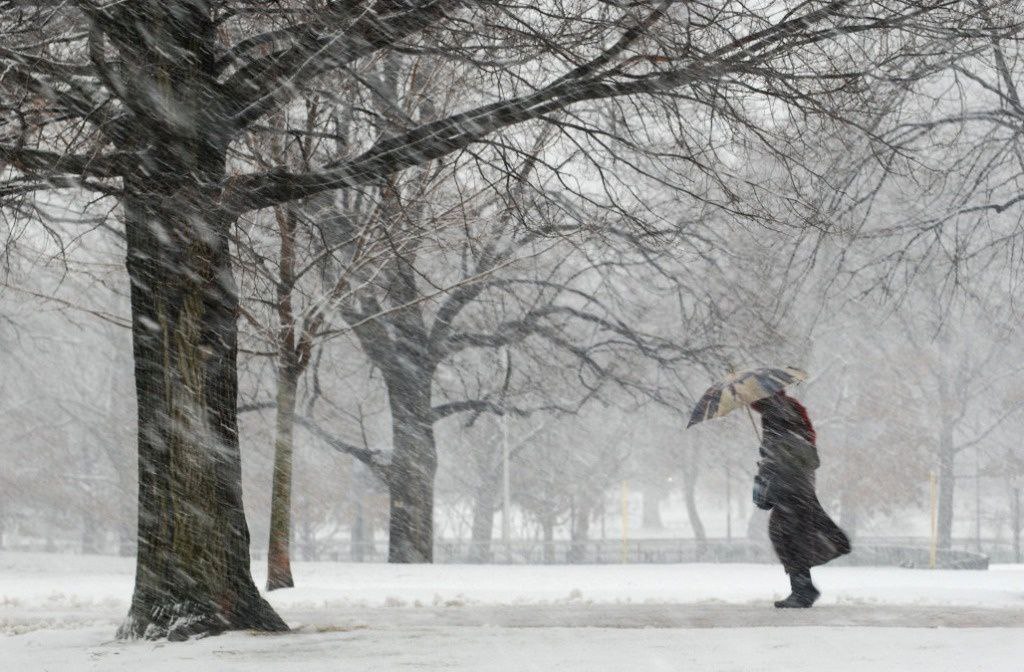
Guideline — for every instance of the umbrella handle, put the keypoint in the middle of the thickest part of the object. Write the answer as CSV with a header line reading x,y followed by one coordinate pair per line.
x,y
754,423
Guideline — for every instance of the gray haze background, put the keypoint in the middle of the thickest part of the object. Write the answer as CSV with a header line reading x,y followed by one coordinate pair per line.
x,y
626,259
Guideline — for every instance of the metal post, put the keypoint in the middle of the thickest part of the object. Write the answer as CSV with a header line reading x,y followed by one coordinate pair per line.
x,y
1015,517
977,499
728,504
625,522
935,520
506,485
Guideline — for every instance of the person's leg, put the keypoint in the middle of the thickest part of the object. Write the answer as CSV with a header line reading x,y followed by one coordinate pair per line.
x,y
803,594
806,588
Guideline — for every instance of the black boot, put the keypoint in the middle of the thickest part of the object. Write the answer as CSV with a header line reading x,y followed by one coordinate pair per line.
x,y
804,593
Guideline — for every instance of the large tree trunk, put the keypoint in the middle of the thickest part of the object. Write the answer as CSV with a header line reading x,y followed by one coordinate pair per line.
x,y
483,521
192,570
279,568
192,573
412,470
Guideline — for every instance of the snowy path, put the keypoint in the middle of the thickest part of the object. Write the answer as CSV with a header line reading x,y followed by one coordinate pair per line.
x,y
689,616
59,613
492,649
618,616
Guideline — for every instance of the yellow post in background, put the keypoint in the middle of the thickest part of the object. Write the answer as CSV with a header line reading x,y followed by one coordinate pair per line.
x,y
935,519
625,522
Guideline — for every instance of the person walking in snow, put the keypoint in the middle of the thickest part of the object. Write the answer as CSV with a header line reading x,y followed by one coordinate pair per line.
x,y
801,533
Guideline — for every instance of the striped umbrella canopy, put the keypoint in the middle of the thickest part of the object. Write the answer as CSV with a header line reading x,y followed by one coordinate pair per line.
x,y
743,388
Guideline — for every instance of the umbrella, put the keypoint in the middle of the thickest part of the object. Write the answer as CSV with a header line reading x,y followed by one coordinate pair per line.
x,y
743,388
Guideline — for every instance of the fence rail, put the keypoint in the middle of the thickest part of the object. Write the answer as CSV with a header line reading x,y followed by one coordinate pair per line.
x,y
899,552
889,551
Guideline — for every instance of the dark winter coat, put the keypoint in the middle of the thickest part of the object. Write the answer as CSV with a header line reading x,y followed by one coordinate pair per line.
x,y
802,533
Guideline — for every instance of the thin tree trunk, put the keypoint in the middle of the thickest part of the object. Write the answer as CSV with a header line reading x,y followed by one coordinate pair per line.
x,y
652,496
691,470
947,485
849,514
580,534
361,534
90,531
279,570
127,535
192,570
126,540
310,547
548,525
357,535
757,525
413,468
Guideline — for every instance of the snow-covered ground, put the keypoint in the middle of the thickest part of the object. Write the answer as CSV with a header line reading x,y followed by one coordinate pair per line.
x,y
58,612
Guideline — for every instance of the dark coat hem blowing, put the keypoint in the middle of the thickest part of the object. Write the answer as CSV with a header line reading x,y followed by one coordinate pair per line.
x,y
802,533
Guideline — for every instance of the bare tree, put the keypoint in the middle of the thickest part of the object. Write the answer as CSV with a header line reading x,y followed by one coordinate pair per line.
x,y
144,102
963,376
546,317
289,298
